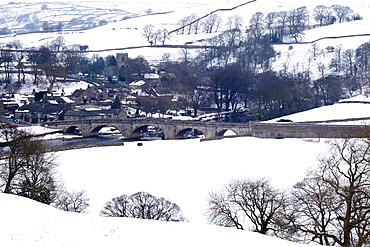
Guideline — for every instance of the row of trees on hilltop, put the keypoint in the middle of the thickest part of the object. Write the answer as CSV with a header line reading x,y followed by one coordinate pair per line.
x,y
277,25
330,206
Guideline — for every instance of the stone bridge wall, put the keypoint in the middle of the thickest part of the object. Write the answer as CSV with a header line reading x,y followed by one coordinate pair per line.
x,y
171,128
292,130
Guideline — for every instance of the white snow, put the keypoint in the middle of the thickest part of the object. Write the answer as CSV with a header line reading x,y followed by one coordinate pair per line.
x,y
183,171
352,111
32,224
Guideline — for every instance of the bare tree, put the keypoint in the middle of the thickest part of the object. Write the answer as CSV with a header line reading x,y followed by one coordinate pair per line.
x,y
27,168
74,201
6,60
332,204
220,211
190,23
118,207
323,15
156,35
234,22
144,206
341,12
271,25
196,95
37,181
363,60
254,199
149,11
163,35
58,44
226,83
314,209
297,20
19,59
70,60
257,26
349,58
183,22
14,160
211,23
282,23
148,31
346,170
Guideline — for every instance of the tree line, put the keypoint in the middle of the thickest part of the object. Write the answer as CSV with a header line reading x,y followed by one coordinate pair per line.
x,y
278,25
330,206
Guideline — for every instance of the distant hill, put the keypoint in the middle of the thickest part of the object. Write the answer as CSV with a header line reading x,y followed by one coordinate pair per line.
x,y
110,27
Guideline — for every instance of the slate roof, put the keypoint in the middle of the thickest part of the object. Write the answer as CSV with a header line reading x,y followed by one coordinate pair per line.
x,y
32,107
83,113
51,109
77,93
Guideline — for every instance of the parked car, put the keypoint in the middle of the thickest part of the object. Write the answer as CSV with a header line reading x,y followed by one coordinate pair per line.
x,y
283,120
135,116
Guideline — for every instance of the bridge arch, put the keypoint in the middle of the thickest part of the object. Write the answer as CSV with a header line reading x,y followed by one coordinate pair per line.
x,y
148,131
105,129
227,132
75,130
189,133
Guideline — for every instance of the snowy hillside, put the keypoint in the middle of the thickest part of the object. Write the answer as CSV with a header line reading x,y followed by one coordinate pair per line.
x,y
352,111
121,33
32,224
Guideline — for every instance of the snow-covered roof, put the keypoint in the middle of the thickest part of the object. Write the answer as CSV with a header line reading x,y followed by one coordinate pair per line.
x,y
53,102
92,109
151,76
137,83
67,100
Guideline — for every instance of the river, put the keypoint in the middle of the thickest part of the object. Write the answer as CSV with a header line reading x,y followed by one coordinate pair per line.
x,y
73,141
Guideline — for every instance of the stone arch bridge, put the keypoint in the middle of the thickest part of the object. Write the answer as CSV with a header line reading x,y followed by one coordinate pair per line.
x,y
172,129
132,128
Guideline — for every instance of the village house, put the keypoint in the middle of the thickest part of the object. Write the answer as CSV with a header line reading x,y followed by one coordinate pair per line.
x,y
90,95
94,113
13,102
46,107
152,78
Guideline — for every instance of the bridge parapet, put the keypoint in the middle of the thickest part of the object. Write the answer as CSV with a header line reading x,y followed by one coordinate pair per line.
x,y
172,127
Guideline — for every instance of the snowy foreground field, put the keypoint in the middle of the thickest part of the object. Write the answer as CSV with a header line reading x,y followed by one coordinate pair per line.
x,y
183,171
32,224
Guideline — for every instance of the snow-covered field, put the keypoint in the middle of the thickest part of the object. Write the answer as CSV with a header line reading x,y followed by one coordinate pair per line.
x,y
183,171
28,223
352,111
